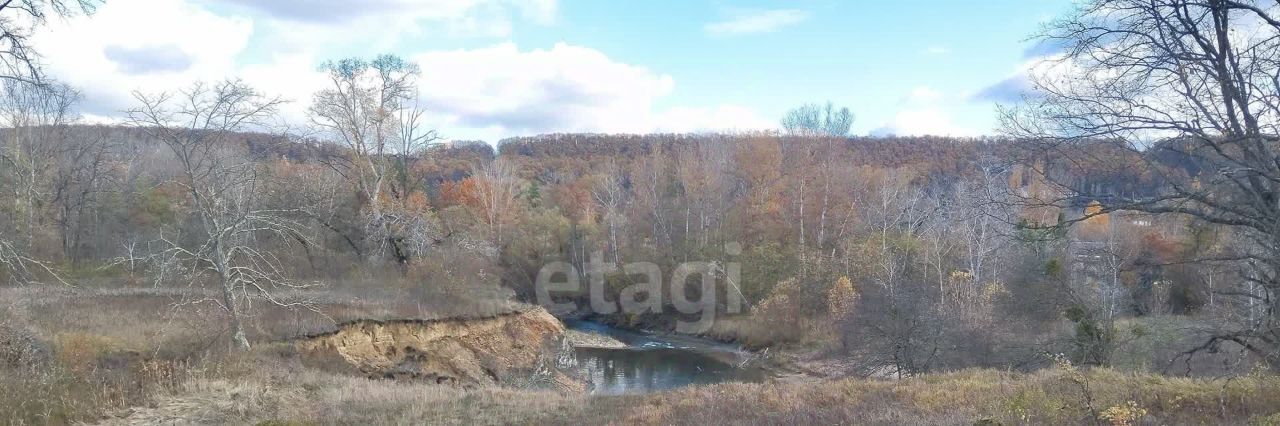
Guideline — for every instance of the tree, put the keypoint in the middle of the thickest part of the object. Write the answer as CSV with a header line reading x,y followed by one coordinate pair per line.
x,y
18,59
818,120
37,117
372,108
1189,80
841,298
224,188
497,197
610,196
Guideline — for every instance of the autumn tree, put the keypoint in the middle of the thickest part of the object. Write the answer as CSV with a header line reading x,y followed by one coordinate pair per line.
x,y
1192,79
496,195
224,190
371,108
812,155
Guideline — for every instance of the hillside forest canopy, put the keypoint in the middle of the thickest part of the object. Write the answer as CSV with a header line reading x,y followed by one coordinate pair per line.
x,y
1126,217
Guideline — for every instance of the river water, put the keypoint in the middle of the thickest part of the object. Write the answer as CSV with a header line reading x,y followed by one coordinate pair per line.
x,y
658,362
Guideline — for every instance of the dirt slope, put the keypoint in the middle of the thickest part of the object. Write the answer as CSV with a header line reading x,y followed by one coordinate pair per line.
x,y
478,351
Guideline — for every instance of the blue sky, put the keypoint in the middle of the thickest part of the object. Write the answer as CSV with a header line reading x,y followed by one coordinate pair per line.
x,y
499,68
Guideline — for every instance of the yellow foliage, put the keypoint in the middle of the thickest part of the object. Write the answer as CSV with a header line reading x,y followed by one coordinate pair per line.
x,y
992,291
80,351
1124,415
841,297
779,306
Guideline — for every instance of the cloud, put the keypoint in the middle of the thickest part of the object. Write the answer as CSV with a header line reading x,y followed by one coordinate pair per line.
x,y
723,118
336,11
311,25
1019,85
490,92
923,111
758,21
109,54
1045,48
923,95
1009,90
564,88
324,11
148,59
931,120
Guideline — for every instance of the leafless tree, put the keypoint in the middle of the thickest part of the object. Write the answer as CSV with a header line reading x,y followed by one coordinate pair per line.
x,y
982,223
224,190
498,193
79,185
1192,79
37,118
818,120
18,20
611,198
372,108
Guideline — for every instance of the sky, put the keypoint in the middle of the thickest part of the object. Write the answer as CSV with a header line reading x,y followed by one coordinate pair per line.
x,y
493,69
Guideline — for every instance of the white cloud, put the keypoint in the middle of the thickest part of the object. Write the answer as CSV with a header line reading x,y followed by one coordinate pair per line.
x,y
924,94
114,51
929,120
344,10
489,92
723,118
565,88
757,21
379,25
924,111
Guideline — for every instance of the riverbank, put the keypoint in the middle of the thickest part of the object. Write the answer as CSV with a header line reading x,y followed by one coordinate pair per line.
x,y
584,339
132,357
273,390
782,362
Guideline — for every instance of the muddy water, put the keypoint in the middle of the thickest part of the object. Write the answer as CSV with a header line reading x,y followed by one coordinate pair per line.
x,y
653,363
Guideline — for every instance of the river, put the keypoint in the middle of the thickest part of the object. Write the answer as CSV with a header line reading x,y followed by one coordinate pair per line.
x,y
658,362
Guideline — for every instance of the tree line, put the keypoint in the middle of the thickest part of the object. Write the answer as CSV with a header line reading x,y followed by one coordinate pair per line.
x,y
1137,180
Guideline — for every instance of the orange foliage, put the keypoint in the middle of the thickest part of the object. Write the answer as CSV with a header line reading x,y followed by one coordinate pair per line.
x,y
1160,248
461,193
575,201
1098,224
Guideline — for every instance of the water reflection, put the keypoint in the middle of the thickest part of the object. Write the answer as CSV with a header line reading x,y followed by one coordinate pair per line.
x,y
654,363
617,371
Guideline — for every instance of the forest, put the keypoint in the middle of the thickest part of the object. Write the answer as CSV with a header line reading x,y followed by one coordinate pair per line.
x,y
1110,257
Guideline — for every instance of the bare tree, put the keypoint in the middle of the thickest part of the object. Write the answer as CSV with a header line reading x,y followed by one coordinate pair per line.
x,y
818,120
18,20
982,223
372,108
37,118
78,186
224,189
1188,79
611,197
498,193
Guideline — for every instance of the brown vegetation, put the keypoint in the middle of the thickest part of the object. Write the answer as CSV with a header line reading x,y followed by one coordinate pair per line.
x,y
472,351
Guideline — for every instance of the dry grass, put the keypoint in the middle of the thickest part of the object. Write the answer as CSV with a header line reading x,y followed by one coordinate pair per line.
x,y
132,356
73,354
263,387
1047,397
266,387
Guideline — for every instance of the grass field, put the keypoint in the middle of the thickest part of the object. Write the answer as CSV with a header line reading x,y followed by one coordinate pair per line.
x,y
151,356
